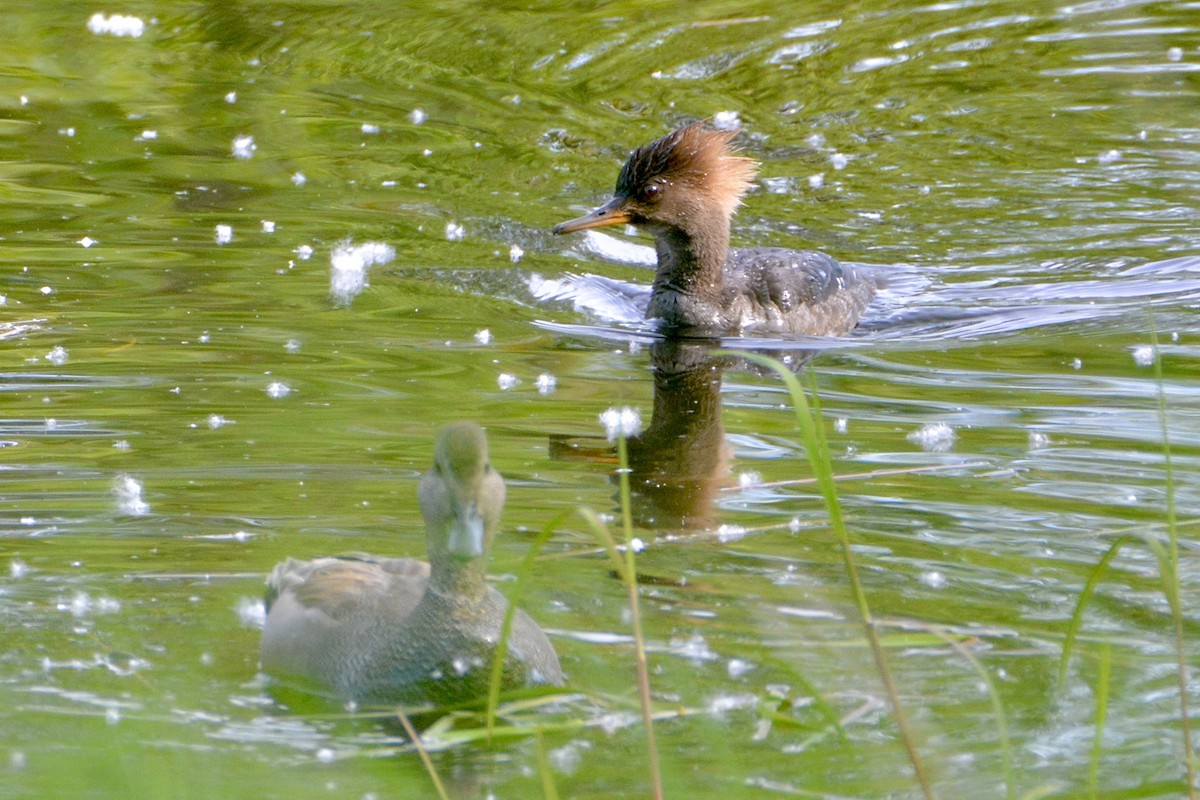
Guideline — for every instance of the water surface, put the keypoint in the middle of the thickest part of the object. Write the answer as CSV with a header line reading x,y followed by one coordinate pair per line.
x,y
180,414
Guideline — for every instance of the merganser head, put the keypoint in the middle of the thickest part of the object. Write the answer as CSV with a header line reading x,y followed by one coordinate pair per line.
x,y
690,177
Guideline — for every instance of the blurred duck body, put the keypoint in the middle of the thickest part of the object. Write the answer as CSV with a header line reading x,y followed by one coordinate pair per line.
x,y
380,631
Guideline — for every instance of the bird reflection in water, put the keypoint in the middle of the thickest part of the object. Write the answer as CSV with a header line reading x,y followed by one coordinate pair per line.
x,y
681,461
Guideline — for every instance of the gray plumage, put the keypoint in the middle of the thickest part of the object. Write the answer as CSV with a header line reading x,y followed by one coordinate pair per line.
x,y
379,630
683,189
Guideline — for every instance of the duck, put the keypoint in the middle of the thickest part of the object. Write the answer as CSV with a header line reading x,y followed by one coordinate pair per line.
x,y
683,189
388,631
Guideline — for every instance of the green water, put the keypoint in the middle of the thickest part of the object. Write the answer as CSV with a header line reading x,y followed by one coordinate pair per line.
x,y
1027,172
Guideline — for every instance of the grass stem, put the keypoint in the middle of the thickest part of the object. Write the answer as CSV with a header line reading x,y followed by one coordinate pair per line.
x,y
643,671
815,443
415,738
1170,575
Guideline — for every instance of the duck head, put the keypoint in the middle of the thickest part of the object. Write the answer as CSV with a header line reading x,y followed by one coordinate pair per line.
x,y
461,496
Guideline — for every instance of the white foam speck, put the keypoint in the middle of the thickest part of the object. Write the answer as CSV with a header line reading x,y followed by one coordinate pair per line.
x,y
694,648
57,355
515,254
455,232
325,755
293,345
933,579
128,493
1174,54
737,667
298,179
615,721
369,129
507,381
1143,356
749,478
277,390
231,97
268,226
730,533
116,25
1109,157
79,604
416,116
108,605
936,437
350,264
224,234
839,160
568,758
723,703
1077,363
147,135
546,383
46,290
841,425
795,525
483,336
17,569
726,120
217,421
1038,441
303,252
251,612
244,146
87,241
816,181
624,422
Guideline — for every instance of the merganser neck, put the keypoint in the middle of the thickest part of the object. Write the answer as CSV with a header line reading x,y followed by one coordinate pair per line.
x,y
691,261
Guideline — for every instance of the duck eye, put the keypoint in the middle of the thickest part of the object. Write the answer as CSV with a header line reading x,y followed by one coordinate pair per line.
x,y
651,191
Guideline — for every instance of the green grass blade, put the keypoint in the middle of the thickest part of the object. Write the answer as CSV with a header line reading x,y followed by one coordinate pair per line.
x,y
997,708
549,789
1089,588
1103,683
514,602
423,753
818,455
1170,573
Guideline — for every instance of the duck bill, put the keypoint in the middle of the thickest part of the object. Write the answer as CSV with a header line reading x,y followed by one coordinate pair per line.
x,y
466,534
611,213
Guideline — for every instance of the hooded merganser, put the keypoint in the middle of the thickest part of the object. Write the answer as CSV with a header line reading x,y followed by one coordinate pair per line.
x,y
683,189
405,631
